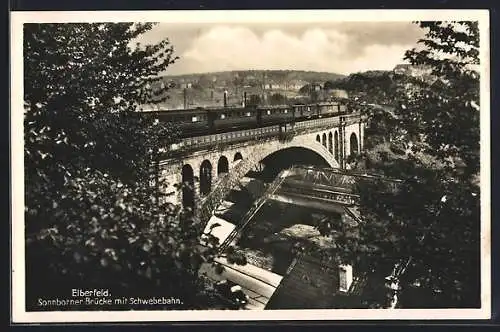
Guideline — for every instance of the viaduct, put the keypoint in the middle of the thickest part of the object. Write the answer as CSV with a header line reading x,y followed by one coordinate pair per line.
x,y
201,163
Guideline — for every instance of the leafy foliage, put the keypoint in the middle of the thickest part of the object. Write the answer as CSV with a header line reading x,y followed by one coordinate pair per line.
x,y
95,216
430,140
306,89
254,100
277,99
381,85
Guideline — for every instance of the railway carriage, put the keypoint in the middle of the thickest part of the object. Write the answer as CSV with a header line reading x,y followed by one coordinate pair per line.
x,y
304,111
229,118
327,109
189,122
275,114
202,121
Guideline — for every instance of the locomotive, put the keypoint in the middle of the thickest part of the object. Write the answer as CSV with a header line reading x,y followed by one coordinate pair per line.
x,y
202,121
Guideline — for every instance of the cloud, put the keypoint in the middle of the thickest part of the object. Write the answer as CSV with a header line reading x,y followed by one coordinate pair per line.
x,y
383,33
320,49
342,47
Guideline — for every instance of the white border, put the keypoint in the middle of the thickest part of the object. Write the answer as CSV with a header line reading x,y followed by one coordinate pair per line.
x,y
19,315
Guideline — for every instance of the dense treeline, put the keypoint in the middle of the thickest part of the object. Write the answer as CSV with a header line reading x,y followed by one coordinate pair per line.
x,y
430,140
94,216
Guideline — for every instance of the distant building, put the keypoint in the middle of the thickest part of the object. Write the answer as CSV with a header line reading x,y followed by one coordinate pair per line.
x,y
296,84
187,85
293,85
316,86
275,86
338,93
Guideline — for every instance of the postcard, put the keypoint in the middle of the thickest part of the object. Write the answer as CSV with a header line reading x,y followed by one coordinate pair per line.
x,y
296,165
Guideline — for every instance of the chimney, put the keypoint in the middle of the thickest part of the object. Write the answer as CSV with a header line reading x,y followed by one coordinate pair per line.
x,y
185,98
225,98
345,277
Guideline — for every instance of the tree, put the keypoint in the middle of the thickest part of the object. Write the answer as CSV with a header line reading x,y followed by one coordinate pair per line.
x,y
277,99
431,223
95,216
237,82
205,82
306,89
254,100
330,85
376,87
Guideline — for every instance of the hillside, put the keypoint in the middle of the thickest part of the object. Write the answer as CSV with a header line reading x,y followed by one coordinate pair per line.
x,y
252,76
207,89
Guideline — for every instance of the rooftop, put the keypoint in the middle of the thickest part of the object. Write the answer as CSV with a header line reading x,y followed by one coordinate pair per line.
x,y
312,284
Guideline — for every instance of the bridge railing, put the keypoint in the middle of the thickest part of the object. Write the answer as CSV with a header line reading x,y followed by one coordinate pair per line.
x,y
333,195
269,132
224,139
342,177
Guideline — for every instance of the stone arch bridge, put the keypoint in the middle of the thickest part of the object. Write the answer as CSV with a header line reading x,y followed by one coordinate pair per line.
x,y
202,162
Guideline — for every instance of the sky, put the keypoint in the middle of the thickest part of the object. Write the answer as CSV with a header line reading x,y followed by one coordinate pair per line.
x,y
337,47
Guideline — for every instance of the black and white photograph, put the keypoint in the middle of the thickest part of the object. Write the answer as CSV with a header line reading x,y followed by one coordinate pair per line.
x,y
250,165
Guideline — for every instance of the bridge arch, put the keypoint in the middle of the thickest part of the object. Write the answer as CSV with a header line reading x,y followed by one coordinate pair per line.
x,y
324,140
237,156
353,144
318,139
205,177
306,144
187,186
222,165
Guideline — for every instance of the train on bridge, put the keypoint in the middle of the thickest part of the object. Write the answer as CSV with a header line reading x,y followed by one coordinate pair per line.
x,y
203,121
